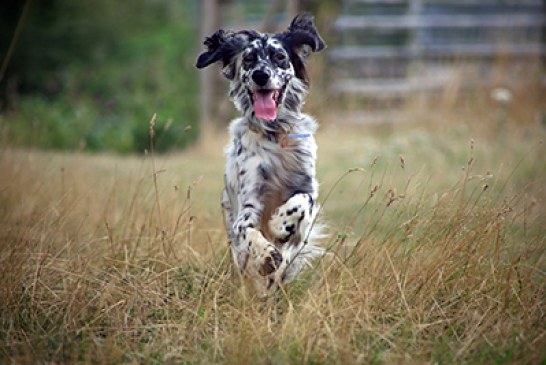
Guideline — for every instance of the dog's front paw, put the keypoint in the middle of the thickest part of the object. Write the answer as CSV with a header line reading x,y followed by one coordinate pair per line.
x,y
291,218
267,259
283,227
272,262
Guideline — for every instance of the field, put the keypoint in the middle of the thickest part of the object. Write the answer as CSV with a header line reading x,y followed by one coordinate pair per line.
x,y
437,240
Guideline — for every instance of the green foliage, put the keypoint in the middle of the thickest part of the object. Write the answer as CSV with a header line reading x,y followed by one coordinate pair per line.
x,y
91,75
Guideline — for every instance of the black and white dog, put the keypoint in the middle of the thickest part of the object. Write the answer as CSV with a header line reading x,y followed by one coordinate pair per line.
x,y
269,200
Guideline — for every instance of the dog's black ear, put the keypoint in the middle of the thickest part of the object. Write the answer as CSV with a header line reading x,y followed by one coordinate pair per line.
x,y
300,40
302,32
222,46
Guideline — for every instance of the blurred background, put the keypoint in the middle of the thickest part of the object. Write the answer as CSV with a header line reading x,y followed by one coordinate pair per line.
x,y
89,75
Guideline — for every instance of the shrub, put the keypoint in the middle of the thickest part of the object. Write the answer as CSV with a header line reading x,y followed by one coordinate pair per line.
x,y
91,76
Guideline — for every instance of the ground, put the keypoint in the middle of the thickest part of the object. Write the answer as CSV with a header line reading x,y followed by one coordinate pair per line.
x,y
437,245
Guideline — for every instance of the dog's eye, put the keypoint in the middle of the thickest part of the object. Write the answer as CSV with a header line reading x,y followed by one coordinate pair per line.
x,y
279,57
249,57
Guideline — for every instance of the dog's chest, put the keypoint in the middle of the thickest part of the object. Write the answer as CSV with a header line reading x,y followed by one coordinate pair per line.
x,y
274,160
274,166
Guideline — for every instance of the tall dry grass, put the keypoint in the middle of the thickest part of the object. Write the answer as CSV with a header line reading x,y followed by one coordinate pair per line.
x,y
437,241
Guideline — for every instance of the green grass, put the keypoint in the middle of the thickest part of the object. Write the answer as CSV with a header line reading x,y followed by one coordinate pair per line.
x,y
438,258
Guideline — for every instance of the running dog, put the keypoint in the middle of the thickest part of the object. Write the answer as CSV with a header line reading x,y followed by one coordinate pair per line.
x,y
270,193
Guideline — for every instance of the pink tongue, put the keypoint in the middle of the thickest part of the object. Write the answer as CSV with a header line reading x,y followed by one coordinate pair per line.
x,y
264,105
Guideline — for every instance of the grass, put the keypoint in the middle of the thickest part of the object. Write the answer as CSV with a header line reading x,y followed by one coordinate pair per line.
x,y
437,236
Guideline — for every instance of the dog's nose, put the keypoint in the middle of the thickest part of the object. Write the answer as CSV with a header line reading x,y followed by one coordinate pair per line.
x,y
260,77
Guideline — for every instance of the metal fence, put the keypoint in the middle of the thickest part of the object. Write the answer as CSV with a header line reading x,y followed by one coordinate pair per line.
x,y
388,49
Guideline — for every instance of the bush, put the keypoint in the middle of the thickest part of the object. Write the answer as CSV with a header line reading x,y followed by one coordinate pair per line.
x,y
91,75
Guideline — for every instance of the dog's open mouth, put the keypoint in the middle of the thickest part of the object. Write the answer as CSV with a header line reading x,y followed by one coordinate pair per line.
x,y
266,102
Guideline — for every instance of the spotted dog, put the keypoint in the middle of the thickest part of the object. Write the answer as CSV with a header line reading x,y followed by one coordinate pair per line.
x,y
269,200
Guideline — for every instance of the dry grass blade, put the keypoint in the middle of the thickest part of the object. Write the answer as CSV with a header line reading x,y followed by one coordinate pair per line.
x,y
101,262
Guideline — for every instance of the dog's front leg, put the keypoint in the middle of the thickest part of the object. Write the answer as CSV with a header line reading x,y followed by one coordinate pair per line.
x,y
227,213
292,220
263,256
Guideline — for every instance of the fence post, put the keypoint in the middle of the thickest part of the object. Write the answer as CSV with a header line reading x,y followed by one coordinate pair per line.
x,y
210,21
293,7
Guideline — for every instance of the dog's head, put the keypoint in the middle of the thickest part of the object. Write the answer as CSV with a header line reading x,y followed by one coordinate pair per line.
x,y
267,71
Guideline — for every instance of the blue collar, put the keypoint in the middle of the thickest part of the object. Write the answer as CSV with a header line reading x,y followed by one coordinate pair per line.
x,y
299,135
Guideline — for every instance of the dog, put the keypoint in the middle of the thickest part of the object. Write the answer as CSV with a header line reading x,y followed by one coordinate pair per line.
x,y
269,201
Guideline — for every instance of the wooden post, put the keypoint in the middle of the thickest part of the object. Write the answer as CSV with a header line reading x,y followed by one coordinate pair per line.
x,y
293,8
415,10
269,24
210,22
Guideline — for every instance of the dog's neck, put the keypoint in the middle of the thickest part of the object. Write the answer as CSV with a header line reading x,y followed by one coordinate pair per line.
x,y
288,125
273,129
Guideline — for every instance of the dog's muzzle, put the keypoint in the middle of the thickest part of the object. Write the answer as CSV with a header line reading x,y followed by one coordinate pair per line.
x,y
266,101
